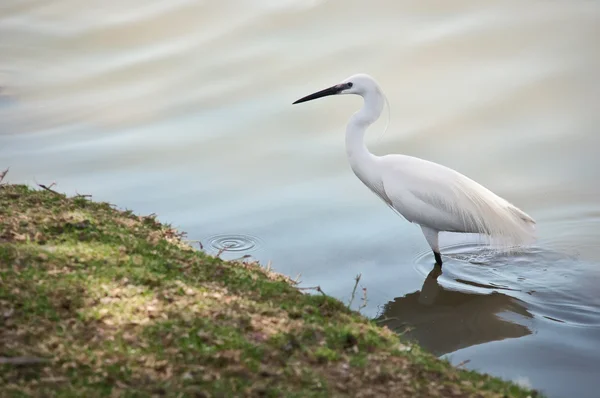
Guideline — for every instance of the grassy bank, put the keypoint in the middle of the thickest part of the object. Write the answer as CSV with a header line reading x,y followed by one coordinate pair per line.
x,y
96,301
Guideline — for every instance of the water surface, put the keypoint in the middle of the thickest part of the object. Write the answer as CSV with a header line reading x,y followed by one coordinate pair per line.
x,y
183,108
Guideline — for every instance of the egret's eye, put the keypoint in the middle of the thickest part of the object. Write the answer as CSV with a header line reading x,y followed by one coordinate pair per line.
x,y
349,84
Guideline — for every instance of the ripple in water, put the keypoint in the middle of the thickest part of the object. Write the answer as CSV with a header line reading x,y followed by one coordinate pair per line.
x,y
233,243
471,253
561,295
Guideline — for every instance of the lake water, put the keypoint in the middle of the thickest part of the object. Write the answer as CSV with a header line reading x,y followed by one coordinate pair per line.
x,y
183,108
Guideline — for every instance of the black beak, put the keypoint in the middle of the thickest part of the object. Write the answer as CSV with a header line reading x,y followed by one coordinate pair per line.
x,y
323,93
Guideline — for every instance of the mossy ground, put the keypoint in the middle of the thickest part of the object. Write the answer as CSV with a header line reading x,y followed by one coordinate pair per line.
x,y
117,305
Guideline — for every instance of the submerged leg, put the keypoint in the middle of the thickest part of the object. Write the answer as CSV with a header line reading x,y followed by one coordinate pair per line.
x,y
432,238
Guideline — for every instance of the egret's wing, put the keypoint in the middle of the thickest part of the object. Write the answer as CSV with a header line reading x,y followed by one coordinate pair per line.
x,y
442,199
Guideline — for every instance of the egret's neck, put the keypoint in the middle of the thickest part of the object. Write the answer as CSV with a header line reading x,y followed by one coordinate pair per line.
x,y
357,126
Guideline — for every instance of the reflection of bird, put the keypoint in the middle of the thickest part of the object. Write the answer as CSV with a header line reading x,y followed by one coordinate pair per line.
x,y
444,321
431,195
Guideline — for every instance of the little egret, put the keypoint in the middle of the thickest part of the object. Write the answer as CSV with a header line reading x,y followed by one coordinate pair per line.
x,y
433,196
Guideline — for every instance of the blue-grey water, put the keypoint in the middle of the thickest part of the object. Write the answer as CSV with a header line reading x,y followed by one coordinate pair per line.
x,y
183,108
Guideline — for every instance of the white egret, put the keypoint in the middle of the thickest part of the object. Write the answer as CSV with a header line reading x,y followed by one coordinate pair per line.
x,y
425,193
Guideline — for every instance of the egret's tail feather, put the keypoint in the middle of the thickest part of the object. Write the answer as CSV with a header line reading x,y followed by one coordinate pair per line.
x,y
505,226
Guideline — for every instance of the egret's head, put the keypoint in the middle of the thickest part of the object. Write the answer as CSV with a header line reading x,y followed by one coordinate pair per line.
x,y
360,84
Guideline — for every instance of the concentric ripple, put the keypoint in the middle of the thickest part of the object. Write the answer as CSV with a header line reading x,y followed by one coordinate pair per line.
x,y
233,243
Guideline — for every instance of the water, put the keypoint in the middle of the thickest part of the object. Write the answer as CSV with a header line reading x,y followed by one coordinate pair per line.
x,y
183,108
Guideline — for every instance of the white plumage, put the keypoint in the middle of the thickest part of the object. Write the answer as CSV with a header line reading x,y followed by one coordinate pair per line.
x,y
425,193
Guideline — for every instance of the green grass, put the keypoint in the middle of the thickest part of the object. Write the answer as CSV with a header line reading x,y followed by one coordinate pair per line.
x,y
117,304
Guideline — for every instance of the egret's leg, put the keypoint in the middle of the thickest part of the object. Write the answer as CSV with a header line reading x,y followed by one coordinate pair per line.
x,y
432,238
